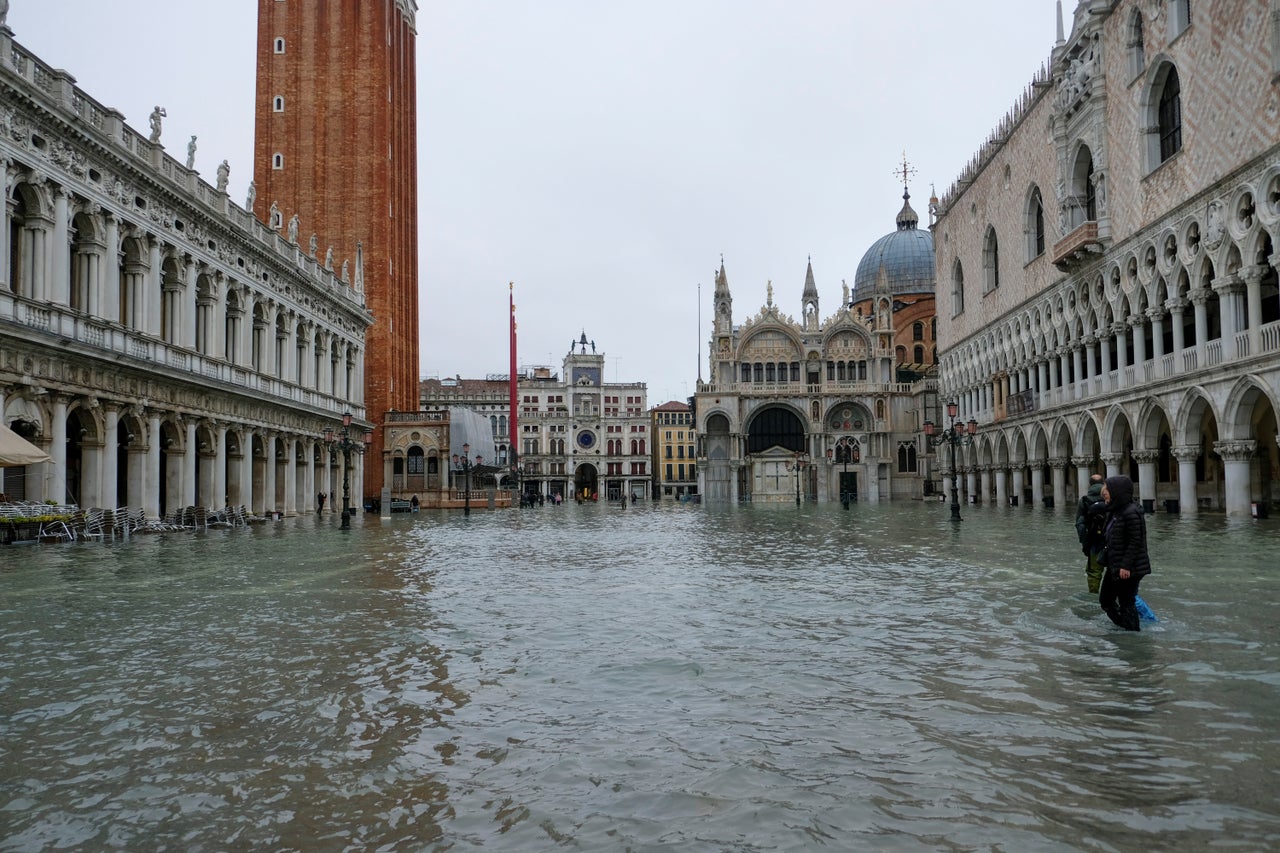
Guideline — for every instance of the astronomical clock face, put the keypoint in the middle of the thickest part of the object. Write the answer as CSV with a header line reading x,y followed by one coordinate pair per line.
x,y
845,418
586,440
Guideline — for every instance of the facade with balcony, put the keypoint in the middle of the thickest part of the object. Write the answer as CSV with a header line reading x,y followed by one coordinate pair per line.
x,y
165,347
1137,331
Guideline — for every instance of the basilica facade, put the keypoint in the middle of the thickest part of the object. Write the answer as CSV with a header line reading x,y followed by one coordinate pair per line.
x,y
161,344
825,409
1109,266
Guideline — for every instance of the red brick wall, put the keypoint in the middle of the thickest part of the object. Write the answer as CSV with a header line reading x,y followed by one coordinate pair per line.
x,y
348,136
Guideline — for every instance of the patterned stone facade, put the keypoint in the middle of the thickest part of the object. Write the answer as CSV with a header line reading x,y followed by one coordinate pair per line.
x,y
1107,264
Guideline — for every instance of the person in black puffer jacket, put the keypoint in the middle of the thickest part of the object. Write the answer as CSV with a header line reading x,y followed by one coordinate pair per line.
x,y
1125,555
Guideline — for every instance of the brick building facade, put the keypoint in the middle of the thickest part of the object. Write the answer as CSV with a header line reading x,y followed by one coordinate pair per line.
x,y
335,167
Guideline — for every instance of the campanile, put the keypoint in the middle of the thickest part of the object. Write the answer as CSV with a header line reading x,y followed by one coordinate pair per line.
x,y
335,142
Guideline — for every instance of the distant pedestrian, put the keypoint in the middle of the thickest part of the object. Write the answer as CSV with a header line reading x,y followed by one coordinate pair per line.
x,y
320,502
1125,554
1091,527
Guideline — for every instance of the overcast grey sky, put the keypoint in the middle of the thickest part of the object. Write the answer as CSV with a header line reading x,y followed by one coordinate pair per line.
x,y
604,154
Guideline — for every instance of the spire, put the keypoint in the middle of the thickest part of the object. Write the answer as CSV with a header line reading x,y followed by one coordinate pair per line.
x,y
907,218
722,280
1061,38
810,286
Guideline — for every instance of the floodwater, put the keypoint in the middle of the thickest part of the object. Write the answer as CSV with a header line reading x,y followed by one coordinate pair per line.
x,y
665,677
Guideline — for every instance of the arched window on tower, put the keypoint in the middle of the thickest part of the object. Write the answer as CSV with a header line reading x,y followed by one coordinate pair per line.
x,y
277,104
277,160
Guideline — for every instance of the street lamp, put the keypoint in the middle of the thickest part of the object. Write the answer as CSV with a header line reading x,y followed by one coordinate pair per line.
x,y
463,464
955,436
343,441
801,462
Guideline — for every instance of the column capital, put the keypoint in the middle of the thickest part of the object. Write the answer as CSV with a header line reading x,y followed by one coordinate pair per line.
x,y
1199,296
1176,305
1082,461
1185,452
1253,273
1059,461
1155,314
1145,457
1235,450
1111,458
1225,285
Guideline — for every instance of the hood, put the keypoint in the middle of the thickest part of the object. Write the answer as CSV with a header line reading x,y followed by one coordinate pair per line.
x,y
1121,489
1095,490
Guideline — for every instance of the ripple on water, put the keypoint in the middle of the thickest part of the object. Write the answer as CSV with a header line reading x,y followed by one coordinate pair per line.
x,y
750,678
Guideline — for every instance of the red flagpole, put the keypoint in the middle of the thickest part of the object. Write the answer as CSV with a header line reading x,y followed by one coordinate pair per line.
x,y
513,431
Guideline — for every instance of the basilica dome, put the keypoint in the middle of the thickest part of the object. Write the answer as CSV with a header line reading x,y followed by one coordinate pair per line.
x,y
906,256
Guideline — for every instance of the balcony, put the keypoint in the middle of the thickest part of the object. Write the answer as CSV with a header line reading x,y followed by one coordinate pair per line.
x,y
1076,248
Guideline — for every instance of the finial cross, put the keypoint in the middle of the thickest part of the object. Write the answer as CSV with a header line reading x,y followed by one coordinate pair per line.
x,y
906,170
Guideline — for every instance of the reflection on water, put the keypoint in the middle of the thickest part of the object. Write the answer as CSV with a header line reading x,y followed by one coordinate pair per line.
x,y
699,678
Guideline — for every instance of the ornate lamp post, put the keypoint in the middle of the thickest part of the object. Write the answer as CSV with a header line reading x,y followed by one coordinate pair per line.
x,y
342,441
801,462
955,436
463,463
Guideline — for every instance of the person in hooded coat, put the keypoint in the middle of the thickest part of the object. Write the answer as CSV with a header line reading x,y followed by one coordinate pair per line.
x,y
1125,555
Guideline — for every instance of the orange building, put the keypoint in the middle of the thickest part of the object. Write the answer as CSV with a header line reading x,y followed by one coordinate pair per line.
x,y
335,146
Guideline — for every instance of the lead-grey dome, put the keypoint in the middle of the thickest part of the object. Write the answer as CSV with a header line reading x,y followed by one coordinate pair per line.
x,y
906,256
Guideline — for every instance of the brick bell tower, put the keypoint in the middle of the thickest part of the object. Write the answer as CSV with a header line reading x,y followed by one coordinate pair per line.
x,y
335,142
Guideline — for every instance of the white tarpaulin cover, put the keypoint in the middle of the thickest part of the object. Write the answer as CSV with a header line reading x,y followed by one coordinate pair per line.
x,y
16,450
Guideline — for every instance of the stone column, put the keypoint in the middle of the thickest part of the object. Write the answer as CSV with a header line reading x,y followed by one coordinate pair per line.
x,y
984,483
1176,309
1019,475
111,274
1200,299
1139,326
1104,345
56,471
153,295
1157,336
290,503
1002,493
187,305
1235,463
1112,461
308,473
60,247
1252,276
1230,290
5,284
110,456
1091,357
1187,454
1077,366
246,493
189,465
219,478
1058,478
1121,332
151,479
1146,460
1037,484
1084,467
269,478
